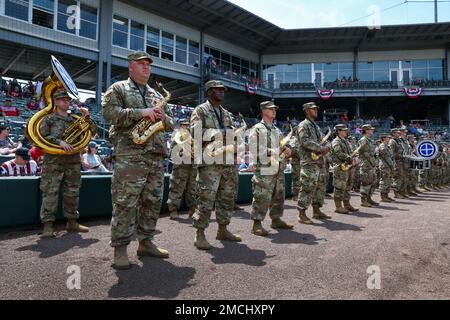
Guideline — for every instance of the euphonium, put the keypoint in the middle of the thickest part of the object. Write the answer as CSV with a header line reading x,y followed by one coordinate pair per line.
x,y
145,129
315,156
216,147
78,134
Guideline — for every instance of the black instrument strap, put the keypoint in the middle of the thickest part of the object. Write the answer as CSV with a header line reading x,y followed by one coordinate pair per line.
x,y
142,94
218,116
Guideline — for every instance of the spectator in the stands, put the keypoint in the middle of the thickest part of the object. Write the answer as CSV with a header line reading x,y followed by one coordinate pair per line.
x,y
21,165
8,110
345,118
3,85
402,125
30,90
15,93
23,140
7,146
33,104
13,84
37,155
246,165
91,161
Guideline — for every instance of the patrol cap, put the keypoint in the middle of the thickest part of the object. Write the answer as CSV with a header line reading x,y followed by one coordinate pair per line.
x,y
403,130
310,105
384,135
60,94
341,127
367,127
395,130
24,153
184,122
139,55
214,84
267,105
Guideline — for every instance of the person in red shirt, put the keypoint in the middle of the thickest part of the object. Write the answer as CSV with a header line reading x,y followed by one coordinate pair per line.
x,y
8,110
32,105
15,93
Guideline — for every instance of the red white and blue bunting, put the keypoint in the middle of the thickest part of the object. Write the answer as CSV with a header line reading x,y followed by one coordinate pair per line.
x,y
325,94
251,88
413,92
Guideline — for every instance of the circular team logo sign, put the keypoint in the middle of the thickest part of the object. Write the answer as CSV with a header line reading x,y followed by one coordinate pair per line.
x,y
427,149
64,77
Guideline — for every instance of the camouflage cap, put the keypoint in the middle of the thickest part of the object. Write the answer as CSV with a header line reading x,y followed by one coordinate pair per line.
x,y
139,55
310,105
395,130
341,126
384,135
403,130
60,94
267,105
367,127
214,84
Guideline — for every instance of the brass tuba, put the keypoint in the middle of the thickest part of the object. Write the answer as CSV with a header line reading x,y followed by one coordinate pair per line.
x,y
145,129
78,134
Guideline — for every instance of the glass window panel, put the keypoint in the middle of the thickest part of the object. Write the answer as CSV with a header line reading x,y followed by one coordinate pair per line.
x,y
167,43
436,74
64,4
193,59
304,67
120,39
289,68
120,23
279,76
245,71
345,73
62,24
393,64
304,77
365,75
225,57
47,5
406,64
167,56
236,60
365,66
215,53
245,64
181,43
290,77
381,75
318,66
226,65
136,43
346,65
137,29
381,65
330,75
181,56
419,74
88,29
236,68
435,63
207,50
154,52
194,47
419,63
330,66
88,13
153,37
17,9
43,18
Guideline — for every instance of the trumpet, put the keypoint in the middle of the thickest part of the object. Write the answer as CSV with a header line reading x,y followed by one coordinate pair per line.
x,y
316,156
347,166
145,129
216,147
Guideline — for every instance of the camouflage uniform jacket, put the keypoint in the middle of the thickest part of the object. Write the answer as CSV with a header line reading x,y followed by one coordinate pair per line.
x,y
122,108
367,153
341,151
309,137
267,137
396,147
386,157
52,129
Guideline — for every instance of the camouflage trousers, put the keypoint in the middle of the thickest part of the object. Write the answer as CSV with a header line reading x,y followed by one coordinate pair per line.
x,y
312,186
342,183
137,191
399,177
215,187
422,178
268,194
368,180
385,179
296,168
182,180
356,179
66,177
351,176
236,183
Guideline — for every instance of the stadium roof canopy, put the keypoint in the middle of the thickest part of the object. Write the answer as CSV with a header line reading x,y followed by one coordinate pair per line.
x,y
230,22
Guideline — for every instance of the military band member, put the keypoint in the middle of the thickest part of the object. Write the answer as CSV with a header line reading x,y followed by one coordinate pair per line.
x,y
138,176
182,179
311,191
267,182
354,171
396,146
343,161
295,163
367,166
60,170
215,185
386,167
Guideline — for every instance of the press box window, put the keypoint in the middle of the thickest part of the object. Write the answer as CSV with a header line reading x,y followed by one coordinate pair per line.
x,y
167,46
194,52
66,22
153,41
43,13
17,9
137,36
88,22
120,31
181,50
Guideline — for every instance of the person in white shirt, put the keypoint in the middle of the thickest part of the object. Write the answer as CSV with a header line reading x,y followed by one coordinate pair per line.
x,y
21,165
91,161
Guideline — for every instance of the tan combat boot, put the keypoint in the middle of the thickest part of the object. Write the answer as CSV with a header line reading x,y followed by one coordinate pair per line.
x,y
148,248
74,226
174,215
417,189
411,192
339,207
121,261
258,229
191,212
398,195
200,240
364,201
280,224
47,231
302,218
317,214
225,235
384,197
392,199
349,207
373,203
404,194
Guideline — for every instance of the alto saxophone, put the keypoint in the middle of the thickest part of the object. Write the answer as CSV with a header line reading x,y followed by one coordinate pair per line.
x,y
346,166
145,128
316,156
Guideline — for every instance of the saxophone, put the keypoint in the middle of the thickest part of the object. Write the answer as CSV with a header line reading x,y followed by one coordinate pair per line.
x,y
316,156
346,166
145,129
78,134
284,141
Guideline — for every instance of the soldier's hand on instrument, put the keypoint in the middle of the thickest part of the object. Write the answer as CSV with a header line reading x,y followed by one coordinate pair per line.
x,y
67,147
325,150
84,111
355,161
149,113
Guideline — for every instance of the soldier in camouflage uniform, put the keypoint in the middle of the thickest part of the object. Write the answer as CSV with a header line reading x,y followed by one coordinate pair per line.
x,y
406,182
396,146
214,180
184,173
268,183
367,166
61,170
342,156
295,162
386,168
413,173
138,177
309,138
409,179
354,171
